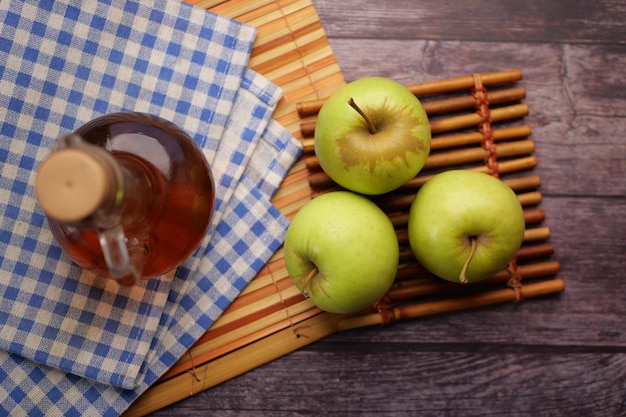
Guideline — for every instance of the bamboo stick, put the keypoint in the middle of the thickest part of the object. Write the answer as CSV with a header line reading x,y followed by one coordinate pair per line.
x,y
532,216
536,234
428,285
455,104
532,198
203,353
312,107
465,139
450,105
528,251
505,167
399,218
459,157
462,303
275,301
248,297
320,179
516,111
307,129
523,183
321,183
535,251
459,83
458,140
206,4
397,202
530,235
465,156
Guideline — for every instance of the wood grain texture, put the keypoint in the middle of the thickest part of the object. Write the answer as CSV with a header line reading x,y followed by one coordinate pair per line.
x,y
564,355
563,21
463,380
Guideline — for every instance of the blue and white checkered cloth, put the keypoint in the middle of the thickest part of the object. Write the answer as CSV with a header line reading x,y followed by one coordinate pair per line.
x,y
72,343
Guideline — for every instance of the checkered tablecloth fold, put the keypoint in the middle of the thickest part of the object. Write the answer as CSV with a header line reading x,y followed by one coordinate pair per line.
x,y
32,389
72,343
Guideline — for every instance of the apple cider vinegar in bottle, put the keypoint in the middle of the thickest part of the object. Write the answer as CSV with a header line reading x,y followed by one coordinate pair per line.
x,y
128,196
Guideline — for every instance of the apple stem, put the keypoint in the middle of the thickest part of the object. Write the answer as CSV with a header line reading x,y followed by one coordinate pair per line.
x,y
370,125
309,277
462,276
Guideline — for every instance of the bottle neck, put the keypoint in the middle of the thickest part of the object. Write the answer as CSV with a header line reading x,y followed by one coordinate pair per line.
x,y
82,185
137,194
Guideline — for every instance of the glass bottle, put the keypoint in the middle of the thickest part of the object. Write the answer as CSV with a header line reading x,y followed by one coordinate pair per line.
x,y
128,195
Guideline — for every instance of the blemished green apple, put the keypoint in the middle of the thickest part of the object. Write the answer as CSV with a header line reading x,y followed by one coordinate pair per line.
x,y
372,136
342,252
464,226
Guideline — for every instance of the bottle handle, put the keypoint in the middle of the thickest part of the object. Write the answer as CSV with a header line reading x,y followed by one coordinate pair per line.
x,y
124,263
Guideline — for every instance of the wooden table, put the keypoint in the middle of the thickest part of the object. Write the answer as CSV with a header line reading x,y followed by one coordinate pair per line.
x,y
563,355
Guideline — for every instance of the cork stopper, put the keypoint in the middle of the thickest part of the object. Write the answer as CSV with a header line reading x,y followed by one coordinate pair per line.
x,y
72,184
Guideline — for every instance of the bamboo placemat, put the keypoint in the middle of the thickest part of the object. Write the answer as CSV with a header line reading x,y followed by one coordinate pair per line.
x,y
271,318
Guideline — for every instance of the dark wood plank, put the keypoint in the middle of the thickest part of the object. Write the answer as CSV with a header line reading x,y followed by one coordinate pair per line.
x,y
345,379
564,21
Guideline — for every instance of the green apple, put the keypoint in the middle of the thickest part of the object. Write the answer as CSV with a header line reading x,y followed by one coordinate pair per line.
x,y
464,226
372,136
341,250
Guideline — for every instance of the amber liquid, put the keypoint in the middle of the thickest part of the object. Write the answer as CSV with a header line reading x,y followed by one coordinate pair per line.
x,y
169,217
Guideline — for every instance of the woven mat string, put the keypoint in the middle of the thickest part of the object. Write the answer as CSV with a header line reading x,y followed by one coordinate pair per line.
x,y
515,280
479,92
383,306
292,325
